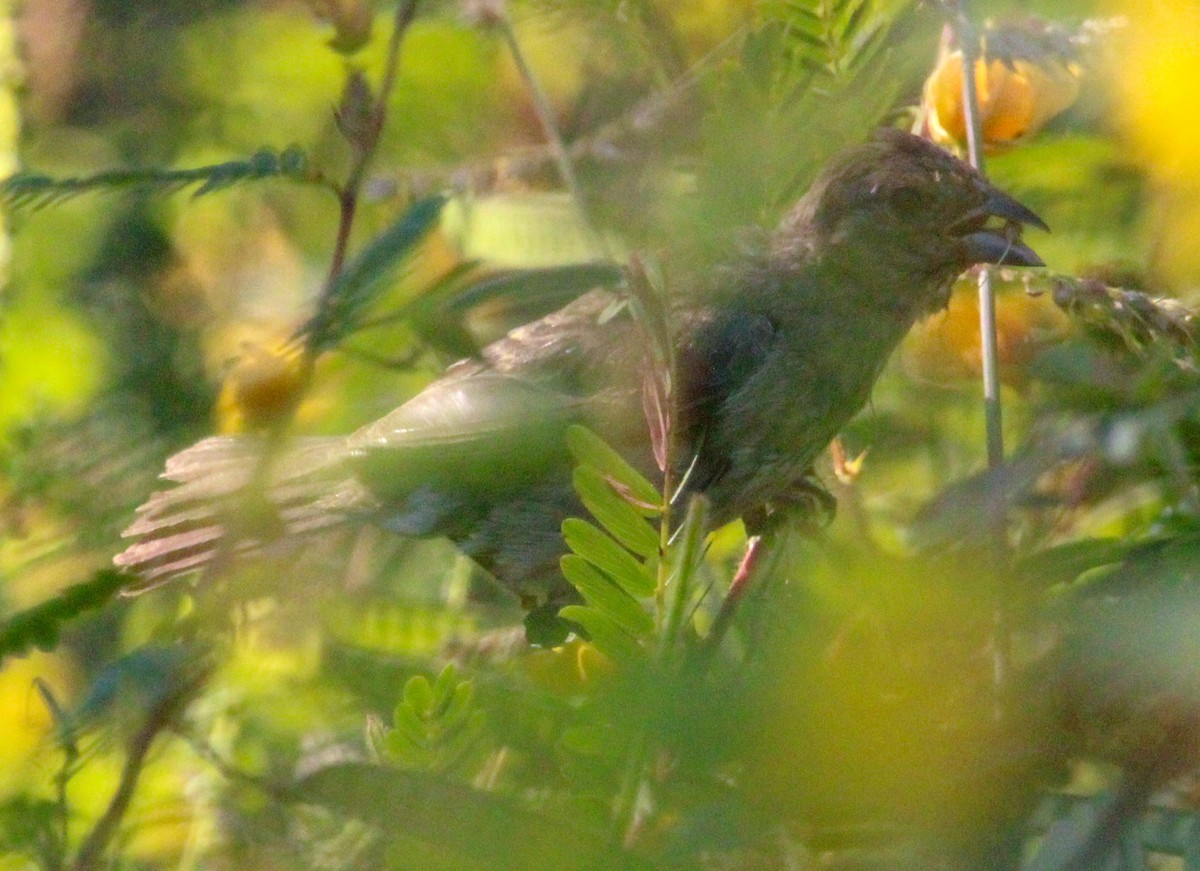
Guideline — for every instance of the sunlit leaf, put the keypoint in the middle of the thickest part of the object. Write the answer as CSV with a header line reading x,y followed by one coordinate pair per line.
x,y
620,519
596,547
605,596
609,638
589,449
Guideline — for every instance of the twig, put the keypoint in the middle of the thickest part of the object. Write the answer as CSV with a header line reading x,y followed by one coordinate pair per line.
x,y
645,125
56,848
364,153
738,588
160,718
968,41
759,560
235,775
558,148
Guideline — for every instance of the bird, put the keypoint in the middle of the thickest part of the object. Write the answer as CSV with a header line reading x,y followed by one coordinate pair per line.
x,y
775,351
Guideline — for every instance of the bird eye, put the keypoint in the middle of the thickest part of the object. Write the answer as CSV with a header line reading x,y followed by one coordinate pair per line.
x,y
907,199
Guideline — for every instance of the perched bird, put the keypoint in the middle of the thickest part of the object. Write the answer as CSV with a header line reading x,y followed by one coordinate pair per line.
x,y
775,352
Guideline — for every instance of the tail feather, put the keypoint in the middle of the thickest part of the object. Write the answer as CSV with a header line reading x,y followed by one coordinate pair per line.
x,y
218,509
210,459
157,561
153,517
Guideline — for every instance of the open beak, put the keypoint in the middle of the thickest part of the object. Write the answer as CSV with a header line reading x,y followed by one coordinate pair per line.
x,y
1000,245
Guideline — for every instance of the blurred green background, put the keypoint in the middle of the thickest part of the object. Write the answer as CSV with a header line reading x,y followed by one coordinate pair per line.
x,y
851,717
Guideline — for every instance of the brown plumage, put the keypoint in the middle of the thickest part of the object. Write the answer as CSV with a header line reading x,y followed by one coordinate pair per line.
x,y
775,354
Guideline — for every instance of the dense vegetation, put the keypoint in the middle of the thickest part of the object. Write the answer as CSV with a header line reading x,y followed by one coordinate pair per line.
x,y
283,218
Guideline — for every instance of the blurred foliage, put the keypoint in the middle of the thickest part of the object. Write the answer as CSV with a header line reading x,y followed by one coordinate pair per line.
x,y
372,702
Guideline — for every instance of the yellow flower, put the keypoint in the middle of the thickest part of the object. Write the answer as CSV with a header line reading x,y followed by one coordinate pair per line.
x,y
262,386
1028,72
1015,101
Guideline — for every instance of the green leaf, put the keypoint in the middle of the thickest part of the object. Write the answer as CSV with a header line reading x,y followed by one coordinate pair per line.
x,y
410,726
609,638
543,289
544,628
480,827
589,449
604,595
435,726
446,684
622,521
40,625
343,308
458,707
1065,562
418,694
686,556
597,548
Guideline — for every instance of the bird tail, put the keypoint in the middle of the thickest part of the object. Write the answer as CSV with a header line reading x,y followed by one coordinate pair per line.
x,y
229,499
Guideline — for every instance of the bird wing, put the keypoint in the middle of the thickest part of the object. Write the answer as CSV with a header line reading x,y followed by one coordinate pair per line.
x,y
495,424
721,354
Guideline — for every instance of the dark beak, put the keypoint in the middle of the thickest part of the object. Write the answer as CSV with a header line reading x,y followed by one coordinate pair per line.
x,y
1001,245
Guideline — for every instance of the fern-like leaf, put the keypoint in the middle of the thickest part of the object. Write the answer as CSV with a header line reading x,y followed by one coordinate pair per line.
x,y
41,625
36,190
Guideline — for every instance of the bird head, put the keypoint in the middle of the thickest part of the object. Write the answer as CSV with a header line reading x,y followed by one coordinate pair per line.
x,y
900,216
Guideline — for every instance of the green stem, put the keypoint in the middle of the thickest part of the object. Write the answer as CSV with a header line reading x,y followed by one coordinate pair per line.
x,y
625,811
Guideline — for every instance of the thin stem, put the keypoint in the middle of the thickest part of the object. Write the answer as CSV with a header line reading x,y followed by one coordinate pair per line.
x,y
231,773
665,38
364,152
664,543
689,551
625,809
405,13
159,719
364,145
558,147
651,313
106,827
968,40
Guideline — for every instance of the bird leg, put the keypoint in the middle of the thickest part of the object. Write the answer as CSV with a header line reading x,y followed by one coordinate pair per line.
x,y
807,501
806,504
738,588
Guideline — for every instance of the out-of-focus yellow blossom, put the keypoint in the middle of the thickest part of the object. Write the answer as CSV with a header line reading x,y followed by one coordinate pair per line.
x,y
569,669
1157,84
1027,76
1014,102
945,349
262,387
28,723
